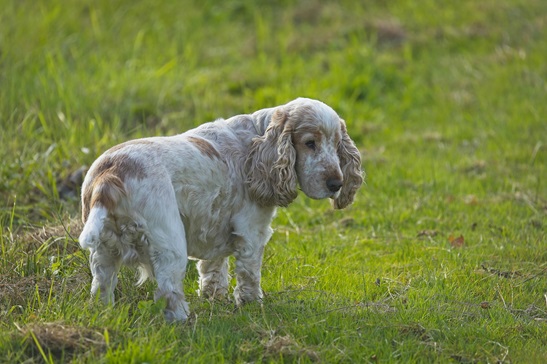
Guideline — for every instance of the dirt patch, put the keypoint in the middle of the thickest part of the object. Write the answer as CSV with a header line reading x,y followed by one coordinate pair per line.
x,y
61,340
286,346
388,31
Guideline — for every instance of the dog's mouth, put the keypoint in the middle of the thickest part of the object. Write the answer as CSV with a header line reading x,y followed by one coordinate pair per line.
x,y
326,194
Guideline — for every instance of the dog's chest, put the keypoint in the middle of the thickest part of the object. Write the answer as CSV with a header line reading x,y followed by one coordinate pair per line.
x,y
208,238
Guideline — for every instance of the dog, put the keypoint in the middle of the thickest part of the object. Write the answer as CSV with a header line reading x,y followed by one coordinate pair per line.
x,y
209,193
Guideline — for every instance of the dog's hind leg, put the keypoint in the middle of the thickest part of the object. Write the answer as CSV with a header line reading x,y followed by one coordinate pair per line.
x,y
168,258
169,269
104,267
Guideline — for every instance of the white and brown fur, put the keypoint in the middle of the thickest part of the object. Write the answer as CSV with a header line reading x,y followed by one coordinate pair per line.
x,y
210,193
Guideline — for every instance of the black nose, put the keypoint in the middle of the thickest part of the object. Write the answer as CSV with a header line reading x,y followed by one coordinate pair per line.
x,y
334,184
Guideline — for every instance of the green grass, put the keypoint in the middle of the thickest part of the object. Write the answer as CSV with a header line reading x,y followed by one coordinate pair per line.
x,y
446,101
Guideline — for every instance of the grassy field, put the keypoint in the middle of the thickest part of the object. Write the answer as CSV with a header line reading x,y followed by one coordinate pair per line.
x,y
443,256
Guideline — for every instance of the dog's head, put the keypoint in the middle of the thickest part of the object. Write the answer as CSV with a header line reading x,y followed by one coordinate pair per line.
x,y
305,144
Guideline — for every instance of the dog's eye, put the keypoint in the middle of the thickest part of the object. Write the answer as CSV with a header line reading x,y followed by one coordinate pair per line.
x,y
311,144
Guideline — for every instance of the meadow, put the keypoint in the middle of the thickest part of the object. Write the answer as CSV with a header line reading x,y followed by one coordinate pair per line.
x,y
443,256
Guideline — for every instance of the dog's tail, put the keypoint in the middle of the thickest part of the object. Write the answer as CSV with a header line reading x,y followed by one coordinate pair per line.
x,y
99,197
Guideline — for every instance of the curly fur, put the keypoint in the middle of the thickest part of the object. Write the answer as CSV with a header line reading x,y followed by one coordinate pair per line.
x,y
210,193
270,165
350,163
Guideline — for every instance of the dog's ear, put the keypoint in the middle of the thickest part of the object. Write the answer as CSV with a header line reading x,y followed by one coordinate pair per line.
x,y
270,165
350,164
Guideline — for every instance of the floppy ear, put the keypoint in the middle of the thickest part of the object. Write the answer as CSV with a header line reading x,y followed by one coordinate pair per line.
x,y
350,164
270,166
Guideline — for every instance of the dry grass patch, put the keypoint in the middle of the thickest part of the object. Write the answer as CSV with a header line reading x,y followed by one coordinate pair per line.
x,y
59,340
40,261
34,237
286,346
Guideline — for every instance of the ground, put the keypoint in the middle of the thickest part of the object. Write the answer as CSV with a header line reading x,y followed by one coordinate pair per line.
x,y
442,258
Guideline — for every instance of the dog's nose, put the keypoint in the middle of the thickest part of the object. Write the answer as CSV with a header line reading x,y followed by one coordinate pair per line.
x,y
334,184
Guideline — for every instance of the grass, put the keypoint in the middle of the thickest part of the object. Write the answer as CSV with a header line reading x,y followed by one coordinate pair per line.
x,y
441,259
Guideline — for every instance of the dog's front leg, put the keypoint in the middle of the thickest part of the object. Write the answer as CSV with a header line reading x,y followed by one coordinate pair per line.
x,y
253,232
213,278
247,269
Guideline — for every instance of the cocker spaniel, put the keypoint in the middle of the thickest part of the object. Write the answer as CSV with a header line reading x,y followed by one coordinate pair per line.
x,y
210,193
